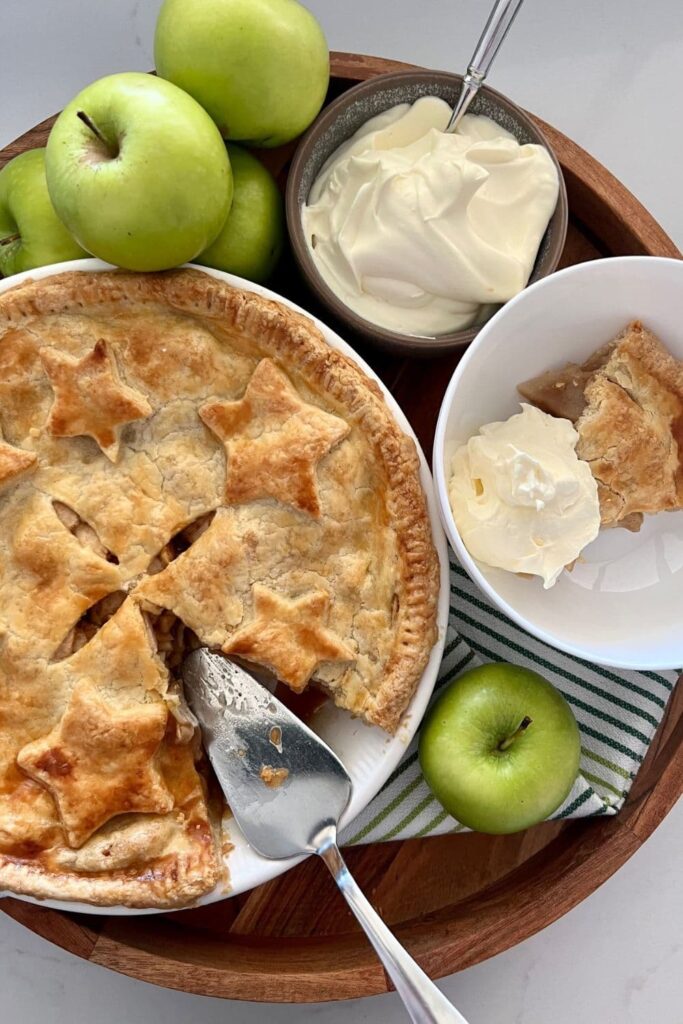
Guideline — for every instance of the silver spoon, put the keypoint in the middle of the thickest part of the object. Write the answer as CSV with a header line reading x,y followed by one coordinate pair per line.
x,y
496,28
253,741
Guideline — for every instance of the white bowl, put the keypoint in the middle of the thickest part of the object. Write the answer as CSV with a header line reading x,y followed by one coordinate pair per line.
x,y
622,605
369,754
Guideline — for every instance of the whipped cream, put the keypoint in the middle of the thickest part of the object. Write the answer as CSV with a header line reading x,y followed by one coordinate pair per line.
x,y
522,500
421,231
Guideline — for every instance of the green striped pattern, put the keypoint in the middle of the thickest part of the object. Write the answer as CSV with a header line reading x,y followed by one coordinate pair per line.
x,y
617,711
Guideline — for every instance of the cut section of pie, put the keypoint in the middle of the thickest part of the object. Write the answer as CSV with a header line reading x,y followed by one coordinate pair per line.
x,y
181,463
626,402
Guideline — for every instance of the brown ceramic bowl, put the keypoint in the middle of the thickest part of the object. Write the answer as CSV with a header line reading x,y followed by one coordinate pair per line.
x,y
337,123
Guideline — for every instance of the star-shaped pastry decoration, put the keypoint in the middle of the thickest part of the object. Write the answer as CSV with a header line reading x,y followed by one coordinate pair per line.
x,y
201,585
99,761
14,462
273,441
289,637
90,397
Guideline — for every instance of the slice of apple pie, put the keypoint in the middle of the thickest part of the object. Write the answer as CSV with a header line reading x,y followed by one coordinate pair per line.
x,y
626,402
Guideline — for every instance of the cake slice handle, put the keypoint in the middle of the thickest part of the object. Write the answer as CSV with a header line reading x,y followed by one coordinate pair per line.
x,y
422,999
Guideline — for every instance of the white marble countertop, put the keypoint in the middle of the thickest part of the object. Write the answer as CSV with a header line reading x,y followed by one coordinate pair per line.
x,y
609,75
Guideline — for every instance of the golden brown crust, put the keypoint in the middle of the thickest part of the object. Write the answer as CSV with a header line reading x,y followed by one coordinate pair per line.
x,y
626,401
632,426
14,462
90,397
273,441
192,586
289,637
84,529
155,878
99,761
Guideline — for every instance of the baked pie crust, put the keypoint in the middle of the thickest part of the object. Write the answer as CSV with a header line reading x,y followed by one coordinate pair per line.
x,y
626,403
631,431
181,463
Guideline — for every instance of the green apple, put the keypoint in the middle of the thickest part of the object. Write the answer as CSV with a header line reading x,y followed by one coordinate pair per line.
x,y
31,233
138,172
500,748
251,241
260,67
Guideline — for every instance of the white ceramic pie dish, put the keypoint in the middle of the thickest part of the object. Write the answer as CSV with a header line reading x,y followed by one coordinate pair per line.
x,y
621,604
370,754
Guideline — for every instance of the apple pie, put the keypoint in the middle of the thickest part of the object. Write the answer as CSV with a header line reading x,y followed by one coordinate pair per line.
x,y
182,463
626,403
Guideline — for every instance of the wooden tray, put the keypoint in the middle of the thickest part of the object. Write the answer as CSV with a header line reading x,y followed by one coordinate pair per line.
x,y
453,900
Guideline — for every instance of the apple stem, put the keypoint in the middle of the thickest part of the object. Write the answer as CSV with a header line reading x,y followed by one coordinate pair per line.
x,y
522,727
89,123
10,238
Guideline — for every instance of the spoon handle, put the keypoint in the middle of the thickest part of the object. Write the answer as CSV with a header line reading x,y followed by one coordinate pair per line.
x,y
422,999
499,21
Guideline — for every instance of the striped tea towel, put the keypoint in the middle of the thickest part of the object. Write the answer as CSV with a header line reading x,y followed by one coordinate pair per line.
x,y
618,713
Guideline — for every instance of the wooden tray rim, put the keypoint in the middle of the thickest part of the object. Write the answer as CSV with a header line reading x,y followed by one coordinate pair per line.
x,y
307,970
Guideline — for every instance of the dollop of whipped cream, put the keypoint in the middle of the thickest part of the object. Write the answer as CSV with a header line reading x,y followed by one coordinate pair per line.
x,y
423,232
522,499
